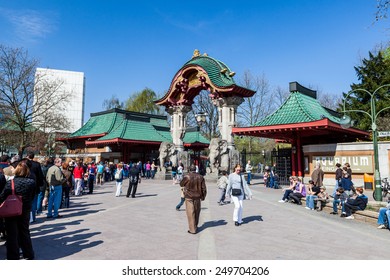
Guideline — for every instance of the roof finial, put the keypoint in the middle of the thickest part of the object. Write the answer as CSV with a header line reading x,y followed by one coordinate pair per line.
x,y
196,53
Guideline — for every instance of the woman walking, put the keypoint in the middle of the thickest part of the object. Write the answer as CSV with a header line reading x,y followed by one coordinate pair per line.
x,y
119,178
236,183
18,228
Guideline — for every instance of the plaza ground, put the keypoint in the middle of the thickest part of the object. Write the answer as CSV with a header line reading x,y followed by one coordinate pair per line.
x,y
104,227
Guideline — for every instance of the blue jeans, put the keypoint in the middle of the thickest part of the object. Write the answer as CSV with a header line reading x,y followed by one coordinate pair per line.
x,y
310,201
182,199
55,198
40,198
34,207
249,177
382,215
336,203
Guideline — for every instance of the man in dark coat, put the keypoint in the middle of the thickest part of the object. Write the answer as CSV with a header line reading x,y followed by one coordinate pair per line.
x,y
134,179
194,188
36,170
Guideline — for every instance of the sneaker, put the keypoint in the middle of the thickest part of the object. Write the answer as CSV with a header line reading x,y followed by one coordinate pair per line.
x,y
382,226
308,208
350,217
282,201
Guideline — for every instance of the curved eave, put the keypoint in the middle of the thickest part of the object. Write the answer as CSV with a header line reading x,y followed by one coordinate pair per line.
x,y
226,90
196,145
75,138
117,141
289,131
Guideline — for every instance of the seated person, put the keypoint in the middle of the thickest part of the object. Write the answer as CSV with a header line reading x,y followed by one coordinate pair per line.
x,y
276,181
322,198
298,192
287,191
357,204
311,195
340,197
384,216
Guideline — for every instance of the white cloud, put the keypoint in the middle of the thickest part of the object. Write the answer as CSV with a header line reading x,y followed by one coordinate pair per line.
x,y
30,25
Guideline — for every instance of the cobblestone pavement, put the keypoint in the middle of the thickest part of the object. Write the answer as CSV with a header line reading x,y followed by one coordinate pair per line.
x,y
104,227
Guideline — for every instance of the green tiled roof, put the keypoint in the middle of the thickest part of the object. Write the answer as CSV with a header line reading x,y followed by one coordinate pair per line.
x,y
193,135
298,108
213,68
135,126
98,124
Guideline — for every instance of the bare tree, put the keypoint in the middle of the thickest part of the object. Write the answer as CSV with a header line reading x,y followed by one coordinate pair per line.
x,y
257,107
279,96
203,103
330,101
112,103
27,102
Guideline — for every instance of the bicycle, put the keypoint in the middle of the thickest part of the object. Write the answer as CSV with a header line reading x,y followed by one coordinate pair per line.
x,y
385,186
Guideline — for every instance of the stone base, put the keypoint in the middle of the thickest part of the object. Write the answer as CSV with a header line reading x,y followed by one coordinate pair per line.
x,y
211,177
163,176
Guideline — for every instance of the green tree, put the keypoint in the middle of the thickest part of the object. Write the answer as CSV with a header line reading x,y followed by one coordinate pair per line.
x,y
373,72
143,102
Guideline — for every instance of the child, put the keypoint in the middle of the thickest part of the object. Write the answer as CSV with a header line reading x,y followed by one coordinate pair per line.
x,y
322,198
222,184
340,197
311,195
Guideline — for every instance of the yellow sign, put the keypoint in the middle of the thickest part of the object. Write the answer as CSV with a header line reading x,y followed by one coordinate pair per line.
x,y
359,163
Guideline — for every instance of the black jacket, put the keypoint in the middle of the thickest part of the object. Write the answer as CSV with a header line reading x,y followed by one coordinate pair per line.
x,y
360,201
24,187
133,175
36,169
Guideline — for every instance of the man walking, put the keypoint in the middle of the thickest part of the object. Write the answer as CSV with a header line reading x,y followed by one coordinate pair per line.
x,y
317,175
134,179
194,188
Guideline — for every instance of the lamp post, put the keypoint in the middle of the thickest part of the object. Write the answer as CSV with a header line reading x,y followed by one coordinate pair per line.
x,y
346,123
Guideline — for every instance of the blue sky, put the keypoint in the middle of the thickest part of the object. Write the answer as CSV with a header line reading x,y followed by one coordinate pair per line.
x,y
125,46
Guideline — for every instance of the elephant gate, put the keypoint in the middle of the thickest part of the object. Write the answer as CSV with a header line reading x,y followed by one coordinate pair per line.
x,y
203,72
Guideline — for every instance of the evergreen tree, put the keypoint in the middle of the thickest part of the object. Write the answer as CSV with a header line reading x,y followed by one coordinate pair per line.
x,y
372,73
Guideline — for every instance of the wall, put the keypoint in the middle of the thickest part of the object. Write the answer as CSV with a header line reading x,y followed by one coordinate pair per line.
x,y
360,155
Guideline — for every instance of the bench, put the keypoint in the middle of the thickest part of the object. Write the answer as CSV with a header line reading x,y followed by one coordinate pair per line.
x,y
367,216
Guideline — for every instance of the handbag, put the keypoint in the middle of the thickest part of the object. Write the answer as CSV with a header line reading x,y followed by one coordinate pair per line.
x,y
12,205
237,192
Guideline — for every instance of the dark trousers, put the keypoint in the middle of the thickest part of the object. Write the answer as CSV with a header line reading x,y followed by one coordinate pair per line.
x,y
296,197
132,189
182,199
286,194
91,180
18,236
349,209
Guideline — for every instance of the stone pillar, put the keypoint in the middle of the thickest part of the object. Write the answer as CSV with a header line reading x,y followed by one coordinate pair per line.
x,y
227,110
178,125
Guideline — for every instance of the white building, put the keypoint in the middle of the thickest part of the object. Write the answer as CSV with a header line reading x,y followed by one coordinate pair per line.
x,y
73,84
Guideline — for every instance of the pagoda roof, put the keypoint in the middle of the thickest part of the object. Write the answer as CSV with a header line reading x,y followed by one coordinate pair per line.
x,y
202,72
116,125
302,115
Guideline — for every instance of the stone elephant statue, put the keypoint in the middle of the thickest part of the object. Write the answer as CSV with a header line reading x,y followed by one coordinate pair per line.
x,y
167,153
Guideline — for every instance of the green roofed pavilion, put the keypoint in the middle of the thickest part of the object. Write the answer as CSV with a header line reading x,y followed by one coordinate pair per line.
x,y
128,133
302,120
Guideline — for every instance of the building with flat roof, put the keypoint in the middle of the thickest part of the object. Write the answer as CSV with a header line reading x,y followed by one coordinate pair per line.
x,y
73,84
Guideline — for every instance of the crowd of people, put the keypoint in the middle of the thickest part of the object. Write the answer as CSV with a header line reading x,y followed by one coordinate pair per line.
x,y
48,186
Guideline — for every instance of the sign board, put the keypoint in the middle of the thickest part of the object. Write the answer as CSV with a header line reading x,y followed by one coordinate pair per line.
x,y
359,163
383,133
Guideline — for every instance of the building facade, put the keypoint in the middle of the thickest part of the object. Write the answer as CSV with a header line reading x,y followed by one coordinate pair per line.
x,y
73,84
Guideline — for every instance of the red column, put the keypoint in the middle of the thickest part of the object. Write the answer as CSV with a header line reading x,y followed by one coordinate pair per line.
x,y
299,159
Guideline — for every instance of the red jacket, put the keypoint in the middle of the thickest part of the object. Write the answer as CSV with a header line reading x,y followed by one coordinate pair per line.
x,y
78,172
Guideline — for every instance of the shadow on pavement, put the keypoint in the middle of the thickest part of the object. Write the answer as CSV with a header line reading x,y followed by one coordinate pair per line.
x,y
212,224
252,219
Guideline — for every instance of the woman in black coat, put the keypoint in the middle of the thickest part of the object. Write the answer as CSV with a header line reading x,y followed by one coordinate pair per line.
x,y
17,228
